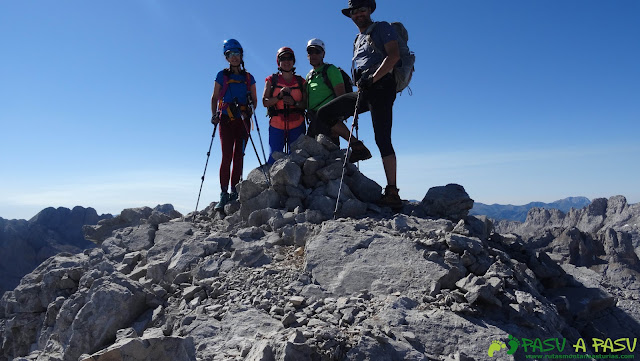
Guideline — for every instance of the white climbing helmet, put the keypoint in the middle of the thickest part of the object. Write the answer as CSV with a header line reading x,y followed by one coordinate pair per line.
x,y
316,43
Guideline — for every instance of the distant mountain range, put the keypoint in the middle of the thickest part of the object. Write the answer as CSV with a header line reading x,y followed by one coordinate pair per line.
x,y
25,244
519,213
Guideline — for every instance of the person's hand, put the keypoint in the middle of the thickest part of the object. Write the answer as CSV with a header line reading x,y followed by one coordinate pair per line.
x,y
215,119
288,100
366,81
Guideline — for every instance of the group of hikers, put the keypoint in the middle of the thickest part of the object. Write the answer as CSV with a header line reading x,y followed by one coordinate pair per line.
x,y
324,97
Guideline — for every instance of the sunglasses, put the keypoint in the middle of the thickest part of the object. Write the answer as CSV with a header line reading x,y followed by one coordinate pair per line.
x,y
232,53
286,58
358,10
313,51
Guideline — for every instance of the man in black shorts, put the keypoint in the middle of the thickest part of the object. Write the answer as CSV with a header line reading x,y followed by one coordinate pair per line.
x,y
376,90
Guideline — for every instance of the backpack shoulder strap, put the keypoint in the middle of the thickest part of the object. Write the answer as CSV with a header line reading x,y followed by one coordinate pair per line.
x,y
326,79
370,38
248,80
300,81
225,84
370,28
274,83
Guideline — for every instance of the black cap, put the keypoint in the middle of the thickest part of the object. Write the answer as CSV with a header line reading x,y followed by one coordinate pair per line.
x,y
355,4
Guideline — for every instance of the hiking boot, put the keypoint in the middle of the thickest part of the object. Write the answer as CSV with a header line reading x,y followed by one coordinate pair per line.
x,y
359,152
233,196
390,198
224,199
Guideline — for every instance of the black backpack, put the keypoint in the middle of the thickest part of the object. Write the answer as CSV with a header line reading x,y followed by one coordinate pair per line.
x,y
348,84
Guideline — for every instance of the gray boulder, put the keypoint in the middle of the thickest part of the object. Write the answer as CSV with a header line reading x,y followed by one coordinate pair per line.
x,y
327,143
345,260
148,348
312,165
364,188
255,184
311,146
330,172
323,204
285,172
93,319
269,198
352,208
450,202
129,217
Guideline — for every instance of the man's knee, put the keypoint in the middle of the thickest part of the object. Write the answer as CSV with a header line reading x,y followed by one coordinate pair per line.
x,y
385,146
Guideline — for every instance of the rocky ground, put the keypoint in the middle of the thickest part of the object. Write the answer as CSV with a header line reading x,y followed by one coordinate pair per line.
x,y
279,279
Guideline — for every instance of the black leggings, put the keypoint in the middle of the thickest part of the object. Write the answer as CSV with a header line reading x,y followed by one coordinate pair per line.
x,y
378,99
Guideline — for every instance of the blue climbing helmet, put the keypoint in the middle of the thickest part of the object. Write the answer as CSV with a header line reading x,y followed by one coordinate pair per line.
x,y
232,45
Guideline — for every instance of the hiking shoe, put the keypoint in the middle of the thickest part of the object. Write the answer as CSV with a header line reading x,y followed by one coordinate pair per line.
x,y
391,198
233,196
224,199
359,152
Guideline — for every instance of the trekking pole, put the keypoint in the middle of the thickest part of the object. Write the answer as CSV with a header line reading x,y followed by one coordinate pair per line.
x,y
215,127
357,125
346,155
246,127
253,110
286,129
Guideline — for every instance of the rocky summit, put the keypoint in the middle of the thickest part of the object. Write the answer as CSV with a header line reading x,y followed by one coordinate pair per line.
x,y
278,277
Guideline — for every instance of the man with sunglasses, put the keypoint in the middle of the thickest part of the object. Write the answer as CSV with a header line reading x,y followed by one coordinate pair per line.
x,y
324,83
372,70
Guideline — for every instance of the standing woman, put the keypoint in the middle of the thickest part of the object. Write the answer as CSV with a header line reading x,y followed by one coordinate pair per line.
x,y
285,97
230,109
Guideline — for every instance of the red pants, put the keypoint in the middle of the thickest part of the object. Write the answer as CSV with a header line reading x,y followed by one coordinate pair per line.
x,y
233,140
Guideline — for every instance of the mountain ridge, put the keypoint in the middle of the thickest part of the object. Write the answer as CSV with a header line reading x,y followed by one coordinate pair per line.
x,y
24,244
519,212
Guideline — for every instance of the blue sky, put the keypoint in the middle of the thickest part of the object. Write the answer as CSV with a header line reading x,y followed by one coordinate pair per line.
x,y
106,104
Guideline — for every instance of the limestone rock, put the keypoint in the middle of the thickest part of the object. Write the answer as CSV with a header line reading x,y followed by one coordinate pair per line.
x,y
285,172
450,202
157,348
337,260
